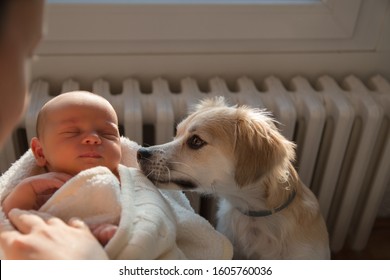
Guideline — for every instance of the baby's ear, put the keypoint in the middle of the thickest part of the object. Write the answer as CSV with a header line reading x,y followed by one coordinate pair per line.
x,y
37,150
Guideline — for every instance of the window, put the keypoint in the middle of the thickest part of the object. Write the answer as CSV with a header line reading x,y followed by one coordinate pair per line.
x,y
131,26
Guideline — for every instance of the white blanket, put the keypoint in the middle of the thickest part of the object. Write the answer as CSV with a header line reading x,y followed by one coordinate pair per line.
x,y
152,224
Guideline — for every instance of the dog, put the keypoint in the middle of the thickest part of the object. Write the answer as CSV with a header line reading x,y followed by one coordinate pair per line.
x,y
238,154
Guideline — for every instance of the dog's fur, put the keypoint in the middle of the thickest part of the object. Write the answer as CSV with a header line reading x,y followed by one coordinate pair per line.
x,y
238,154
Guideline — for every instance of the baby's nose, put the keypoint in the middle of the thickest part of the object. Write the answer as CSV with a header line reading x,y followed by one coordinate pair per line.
x,y
92,139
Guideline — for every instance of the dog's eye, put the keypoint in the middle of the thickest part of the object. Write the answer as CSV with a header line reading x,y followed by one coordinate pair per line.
x,y
195,142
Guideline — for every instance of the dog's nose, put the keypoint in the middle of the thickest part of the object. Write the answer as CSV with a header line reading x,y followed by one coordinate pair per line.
x,y
143,153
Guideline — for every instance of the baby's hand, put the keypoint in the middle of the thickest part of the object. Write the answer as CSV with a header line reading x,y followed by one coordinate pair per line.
x,y
104,232
33,192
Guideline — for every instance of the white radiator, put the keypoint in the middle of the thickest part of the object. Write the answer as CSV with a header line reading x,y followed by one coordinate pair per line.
x,y
341,131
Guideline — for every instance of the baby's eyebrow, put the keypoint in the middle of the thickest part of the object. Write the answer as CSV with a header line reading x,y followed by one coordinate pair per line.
x,y
65,124
68,121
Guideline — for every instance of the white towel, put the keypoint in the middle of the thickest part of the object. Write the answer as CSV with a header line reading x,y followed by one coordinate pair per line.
x,y
153,224
93,195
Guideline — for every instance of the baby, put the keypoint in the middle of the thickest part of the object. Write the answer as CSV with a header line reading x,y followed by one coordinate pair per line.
x,y
87,170
75,131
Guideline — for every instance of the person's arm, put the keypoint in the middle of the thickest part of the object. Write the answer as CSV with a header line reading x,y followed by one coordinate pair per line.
x,y
32,192
41,236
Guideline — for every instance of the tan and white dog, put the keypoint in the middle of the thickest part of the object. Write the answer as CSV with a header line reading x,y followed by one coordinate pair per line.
x,y
237,154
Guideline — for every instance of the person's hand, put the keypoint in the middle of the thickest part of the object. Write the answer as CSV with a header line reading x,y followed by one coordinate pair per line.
x,y
31,193
42,236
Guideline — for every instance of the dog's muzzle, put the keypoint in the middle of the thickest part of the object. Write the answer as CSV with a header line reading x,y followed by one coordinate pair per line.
x,y
155,168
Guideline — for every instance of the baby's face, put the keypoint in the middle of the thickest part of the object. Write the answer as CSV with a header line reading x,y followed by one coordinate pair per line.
x,y
79,134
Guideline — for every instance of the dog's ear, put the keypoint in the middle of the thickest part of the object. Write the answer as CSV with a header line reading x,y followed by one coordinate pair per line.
x,y
259,147
218,101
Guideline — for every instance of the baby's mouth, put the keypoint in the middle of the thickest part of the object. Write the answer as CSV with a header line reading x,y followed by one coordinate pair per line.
x,y
90,155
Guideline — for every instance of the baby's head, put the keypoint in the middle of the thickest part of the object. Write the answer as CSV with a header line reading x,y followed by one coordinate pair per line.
x,y
76,131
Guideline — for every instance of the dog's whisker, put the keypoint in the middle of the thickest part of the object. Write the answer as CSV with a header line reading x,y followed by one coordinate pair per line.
x,y
149,173
147,159
168,173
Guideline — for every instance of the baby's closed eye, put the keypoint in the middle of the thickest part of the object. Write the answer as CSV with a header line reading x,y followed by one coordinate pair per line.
x,y
70,133
110,134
